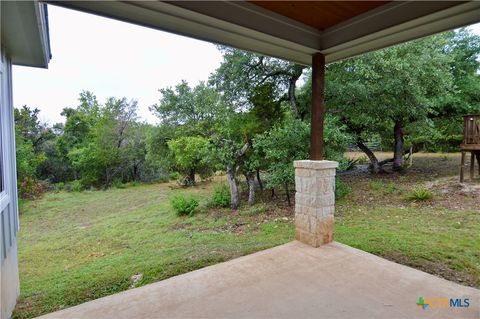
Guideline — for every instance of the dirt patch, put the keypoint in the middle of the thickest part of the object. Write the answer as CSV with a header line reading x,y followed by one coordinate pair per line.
x,y
437,268
436,172
454,195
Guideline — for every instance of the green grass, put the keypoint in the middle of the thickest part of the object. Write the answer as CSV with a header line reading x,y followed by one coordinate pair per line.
x,y
75,247
439,241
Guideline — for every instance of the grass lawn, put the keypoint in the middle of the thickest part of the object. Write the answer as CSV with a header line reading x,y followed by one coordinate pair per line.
x,y
75,247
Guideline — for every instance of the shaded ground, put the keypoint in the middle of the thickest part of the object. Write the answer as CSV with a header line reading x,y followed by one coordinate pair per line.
x,y
75,247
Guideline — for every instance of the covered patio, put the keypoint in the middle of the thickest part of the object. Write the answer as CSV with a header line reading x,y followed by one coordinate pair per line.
x,y
296,279
290,281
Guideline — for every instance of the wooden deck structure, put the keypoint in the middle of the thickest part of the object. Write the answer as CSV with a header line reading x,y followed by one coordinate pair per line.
x,y
471,144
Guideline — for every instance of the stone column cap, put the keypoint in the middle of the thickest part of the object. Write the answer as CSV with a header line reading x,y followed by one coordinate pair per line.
x,y
315,164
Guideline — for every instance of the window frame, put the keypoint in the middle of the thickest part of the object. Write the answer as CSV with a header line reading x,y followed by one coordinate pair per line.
x,y
4,198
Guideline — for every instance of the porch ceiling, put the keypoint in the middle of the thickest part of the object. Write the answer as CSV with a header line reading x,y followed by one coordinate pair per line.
x,y
293,30
307,12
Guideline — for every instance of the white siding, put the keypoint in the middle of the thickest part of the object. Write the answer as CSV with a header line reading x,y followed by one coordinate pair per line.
x,y
9,282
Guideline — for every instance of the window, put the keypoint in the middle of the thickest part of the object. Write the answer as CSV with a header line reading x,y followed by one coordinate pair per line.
x,y
1,158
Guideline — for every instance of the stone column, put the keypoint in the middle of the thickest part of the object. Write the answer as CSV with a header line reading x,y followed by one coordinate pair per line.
x,y
314,201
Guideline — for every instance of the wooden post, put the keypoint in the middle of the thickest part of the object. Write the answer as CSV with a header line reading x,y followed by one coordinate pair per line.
x,y
472,165
462,166
318,109
478,161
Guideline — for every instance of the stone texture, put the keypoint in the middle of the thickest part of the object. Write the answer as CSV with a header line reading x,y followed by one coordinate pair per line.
x,y
314,201
321,165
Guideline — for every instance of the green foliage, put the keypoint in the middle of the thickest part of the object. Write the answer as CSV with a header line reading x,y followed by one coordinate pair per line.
x,y
342,189
279,147
382,187
118,184
191,110
75,186
174,176
191,156
60,186
420,194
221,196
184,205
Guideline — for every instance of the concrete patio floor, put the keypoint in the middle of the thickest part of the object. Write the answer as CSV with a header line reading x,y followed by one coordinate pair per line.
x,y
289,281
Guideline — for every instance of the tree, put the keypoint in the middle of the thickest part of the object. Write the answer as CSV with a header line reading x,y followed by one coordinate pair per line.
x,y
290,141
390,88
193,111
101,154
280,146
241,72
191,156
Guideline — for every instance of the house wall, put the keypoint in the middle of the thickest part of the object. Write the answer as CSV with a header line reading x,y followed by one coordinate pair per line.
x,y
9,279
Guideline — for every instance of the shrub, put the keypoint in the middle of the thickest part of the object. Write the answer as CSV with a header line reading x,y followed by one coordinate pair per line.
x,y
59,186
221,196
174,176
341,189
420,194
31,188
347,164
184,205
76,186
363,160
118,184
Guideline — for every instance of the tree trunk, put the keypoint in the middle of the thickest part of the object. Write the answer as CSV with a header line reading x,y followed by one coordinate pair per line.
x,y
191,176
260,185
398,147
234,198
374,165
251,188
107,179
287,192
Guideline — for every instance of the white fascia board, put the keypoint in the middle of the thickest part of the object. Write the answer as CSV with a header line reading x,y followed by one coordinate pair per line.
x,y
43,32
461,14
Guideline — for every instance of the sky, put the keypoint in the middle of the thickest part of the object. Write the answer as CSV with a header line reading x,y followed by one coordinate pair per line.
x,y
111,58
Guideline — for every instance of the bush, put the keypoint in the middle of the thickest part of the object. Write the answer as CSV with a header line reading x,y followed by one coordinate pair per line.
x,y
184,205
31,188
118,184
420,194
174,176
59,186
221,196
341,189
76,186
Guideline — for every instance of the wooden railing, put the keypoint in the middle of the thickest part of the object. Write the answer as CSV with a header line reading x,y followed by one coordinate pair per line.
x,y
471,130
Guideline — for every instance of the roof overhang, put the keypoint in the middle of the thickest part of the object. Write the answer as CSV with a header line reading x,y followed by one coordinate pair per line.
x,y
24,31
248,26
